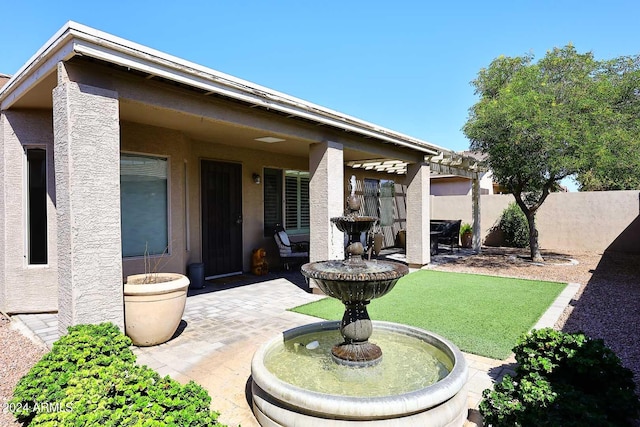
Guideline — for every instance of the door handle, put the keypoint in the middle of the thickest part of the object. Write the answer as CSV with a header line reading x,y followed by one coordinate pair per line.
x,y
239,219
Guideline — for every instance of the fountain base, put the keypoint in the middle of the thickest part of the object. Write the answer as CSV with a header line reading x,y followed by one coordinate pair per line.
x,y
357,355
277,402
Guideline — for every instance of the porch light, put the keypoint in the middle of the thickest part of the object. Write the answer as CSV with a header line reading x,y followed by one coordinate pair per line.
x,y
256,178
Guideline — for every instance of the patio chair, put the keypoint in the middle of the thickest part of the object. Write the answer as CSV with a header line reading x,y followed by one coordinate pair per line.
x,y
449,232
290,252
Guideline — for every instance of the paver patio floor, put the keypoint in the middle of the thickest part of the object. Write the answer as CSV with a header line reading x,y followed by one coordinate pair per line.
x,y
221,330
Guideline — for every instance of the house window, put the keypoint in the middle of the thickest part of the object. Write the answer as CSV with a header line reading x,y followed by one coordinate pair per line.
x,y
387,194
286,200
371,195
37,205
296,192
143,198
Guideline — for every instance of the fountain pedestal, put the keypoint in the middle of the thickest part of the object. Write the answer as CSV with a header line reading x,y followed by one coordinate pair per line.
x,y
356,329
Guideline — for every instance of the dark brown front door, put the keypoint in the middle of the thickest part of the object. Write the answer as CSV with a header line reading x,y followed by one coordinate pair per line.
x,y
221,218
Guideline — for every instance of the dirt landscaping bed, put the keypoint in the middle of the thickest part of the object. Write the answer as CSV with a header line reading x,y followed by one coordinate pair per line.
x,y
18,355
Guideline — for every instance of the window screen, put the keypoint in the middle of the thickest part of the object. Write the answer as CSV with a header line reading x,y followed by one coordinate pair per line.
x,y
143,195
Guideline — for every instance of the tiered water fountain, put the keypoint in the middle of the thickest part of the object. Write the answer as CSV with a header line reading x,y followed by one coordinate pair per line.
x,y
330,374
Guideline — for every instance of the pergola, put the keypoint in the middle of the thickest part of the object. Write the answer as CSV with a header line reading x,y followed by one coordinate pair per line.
x,y
444,163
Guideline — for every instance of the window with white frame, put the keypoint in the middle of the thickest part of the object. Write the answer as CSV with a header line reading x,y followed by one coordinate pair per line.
x,y
144,204
286,200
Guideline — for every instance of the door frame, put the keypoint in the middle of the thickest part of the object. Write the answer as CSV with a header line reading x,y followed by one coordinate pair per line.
x,y
203,226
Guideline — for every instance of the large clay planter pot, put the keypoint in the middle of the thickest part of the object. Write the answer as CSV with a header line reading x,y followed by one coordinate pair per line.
x,y
152,311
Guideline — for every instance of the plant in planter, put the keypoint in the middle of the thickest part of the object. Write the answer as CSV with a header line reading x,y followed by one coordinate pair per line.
x,y
153,304
466,235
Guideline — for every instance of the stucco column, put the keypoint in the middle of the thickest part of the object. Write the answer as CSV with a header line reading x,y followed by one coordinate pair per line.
x,y
87,170
326,200
475,196
418,217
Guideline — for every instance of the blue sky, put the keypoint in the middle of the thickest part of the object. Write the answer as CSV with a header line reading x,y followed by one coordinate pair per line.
x,y
404,65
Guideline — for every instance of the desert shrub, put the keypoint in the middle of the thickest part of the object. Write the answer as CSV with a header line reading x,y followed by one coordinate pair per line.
x,y
514,227
562,380
90,378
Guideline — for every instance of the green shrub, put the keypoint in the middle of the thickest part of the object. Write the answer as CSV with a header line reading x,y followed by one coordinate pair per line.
x,y
562,380
514,227
90,378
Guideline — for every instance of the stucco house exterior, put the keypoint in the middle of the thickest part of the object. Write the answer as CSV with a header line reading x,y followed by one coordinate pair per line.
x,y
110,150
453,185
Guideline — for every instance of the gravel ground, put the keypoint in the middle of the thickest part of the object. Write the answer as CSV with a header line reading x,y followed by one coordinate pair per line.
x,y
607,305
17,355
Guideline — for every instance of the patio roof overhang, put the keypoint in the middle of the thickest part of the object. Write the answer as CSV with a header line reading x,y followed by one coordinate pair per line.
x,y
76,40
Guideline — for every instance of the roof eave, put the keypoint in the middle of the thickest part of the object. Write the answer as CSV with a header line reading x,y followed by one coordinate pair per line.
x,y
76,39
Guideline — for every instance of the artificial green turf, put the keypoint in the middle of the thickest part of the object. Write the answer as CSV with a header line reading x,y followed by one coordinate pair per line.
x,y
483,315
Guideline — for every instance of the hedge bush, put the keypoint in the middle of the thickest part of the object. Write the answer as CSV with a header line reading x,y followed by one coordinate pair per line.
x,y
90,378
514,226
562,380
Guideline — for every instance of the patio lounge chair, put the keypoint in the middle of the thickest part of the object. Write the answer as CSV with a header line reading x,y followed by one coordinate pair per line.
x,y
290,252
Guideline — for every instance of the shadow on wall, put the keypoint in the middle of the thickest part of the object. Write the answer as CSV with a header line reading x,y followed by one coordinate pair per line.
x,y
628,240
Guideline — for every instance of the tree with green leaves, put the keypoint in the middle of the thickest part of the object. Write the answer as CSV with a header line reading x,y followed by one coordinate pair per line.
x,y
541,122
612,159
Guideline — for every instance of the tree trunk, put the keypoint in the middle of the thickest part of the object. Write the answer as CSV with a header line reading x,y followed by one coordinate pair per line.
x,y
533,238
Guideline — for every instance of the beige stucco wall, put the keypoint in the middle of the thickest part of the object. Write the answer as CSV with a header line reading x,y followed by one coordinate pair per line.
x,y
584,221
327,179
457,185
25,288
86,130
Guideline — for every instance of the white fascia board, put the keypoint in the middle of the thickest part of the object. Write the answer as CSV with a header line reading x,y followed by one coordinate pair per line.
x,y
16,89
39,66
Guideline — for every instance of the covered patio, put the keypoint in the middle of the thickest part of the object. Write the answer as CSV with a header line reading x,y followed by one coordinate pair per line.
x,y
137,152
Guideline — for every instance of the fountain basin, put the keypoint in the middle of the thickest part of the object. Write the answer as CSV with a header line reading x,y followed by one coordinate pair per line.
x,y
280,403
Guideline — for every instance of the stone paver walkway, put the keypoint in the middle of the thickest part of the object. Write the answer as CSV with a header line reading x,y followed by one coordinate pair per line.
x,y
221,331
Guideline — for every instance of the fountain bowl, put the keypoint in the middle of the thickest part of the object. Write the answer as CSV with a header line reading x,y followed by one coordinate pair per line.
x,y
353,224
279,403
348,281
